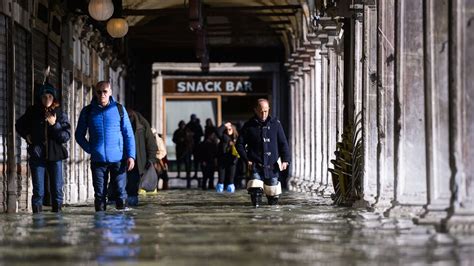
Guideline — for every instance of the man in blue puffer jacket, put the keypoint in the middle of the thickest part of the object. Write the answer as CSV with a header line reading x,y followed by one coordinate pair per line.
x,y
111,144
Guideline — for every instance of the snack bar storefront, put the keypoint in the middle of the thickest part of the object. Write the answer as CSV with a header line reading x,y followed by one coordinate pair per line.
x,y
218,95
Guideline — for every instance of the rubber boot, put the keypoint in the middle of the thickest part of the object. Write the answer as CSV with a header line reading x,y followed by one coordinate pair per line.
x,y
120,205
230,188
188,182
57,207
37,208
99,206
256,196
220,188
272,200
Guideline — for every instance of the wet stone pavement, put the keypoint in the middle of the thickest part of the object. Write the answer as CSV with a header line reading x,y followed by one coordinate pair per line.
x,y
194,227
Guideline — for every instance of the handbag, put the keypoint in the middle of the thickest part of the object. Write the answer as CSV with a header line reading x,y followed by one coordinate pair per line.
x,y
149,180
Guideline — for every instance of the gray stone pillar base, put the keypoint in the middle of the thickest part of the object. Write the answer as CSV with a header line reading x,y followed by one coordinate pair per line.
x,y
361,204
320,190
431,218
459,224
404,211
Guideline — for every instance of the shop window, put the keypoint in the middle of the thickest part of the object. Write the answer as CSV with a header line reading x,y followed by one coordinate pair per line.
x,y
56,25
43,13
177,110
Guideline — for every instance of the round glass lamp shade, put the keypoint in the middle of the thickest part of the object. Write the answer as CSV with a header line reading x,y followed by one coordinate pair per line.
x,y
117,27
101,10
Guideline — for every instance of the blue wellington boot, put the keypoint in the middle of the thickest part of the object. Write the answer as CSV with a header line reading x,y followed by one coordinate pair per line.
x,y
231,188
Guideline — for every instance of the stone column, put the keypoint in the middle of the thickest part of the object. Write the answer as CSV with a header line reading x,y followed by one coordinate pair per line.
x,y
339,49
318,118
410,113
312,131
324,119
461,93
291,134
357,77
369,105
357,64
157,102
300,121
385,104
437,107
307,125
331,111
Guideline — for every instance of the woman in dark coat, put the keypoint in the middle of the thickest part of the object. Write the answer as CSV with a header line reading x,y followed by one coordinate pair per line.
x,y
45,128
227,158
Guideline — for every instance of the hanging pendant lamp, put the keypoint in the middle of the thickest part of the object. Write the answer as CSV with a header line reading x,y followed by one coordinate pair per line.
x,y
101,10
117,27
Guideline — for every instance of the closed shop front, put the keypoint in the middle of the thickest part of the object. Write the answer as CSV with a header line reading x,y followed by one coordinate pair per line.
x,y
3,111
22,101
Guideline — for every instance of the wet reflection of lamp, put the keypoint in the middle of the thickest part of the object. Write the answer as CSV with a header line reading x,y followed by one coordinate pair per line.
x,y
101,10
117,27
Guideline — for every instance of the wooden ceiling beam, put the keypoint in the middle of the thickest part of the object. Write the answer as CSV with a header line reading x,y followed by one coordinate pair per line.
x,y
285,10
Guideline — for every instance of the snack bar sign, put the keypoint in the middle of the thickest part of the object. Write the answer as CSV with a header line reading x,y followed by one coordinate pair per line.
x,y
231,85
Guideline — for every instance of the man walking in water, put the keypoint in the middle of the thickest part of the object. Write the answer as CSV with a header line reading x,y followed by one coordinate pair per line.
x,y
111,144
261,143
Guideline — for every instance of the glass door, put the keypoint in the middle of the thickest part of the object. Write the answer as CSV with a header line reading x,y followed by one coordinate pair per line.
x,y
181,108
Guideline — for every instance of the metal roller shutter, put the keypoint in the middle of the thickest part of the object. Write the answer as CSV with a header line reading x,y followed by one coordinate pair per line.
x,y
53,62
3,112
39,54
23,100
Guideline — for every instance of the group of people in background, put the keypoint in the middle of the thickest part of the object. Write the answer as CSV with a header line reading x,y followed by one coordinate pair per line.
x,y
122,146
211,150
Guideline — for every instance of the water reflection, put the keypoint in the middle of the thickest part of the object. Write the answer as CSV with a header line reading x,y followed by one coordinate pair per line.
x,y
192,227
117,241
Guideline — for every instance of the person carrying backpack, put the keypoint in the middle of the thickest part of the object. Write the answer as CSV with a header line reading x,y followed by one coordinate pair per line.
x,y
111,144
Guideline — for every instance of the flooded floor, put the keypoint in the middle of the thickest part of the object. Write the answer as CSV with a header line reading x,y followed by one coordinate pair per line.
x,y
193,227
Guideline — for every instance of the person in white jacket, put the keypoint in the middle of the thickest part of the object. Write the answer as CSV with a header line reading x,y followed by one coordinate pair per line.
x,y
161,165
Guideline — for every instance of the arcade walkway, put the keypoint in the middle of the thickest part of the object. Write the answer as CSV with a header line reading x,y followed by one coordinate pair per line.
x,y
192,227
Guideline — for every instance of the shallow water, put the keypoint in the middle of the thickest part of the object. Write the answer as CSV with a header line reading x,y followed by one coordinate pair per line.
x,y
192,227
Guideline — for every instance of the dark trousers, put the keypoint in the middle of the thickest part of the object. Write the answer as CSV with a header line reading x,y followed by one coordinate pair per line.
x,y
55,172
208,174
133,181
100,177
186,159
195,163
227,172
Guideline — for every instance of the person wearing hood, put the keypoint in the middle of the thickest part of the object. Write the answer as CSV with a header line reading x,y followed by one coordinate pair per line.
x,y
111,144
45,127
261,145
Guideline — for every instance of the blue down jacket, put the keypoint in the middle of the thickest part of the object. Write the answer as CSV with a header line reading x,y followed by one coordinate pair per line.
x,y
111,138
